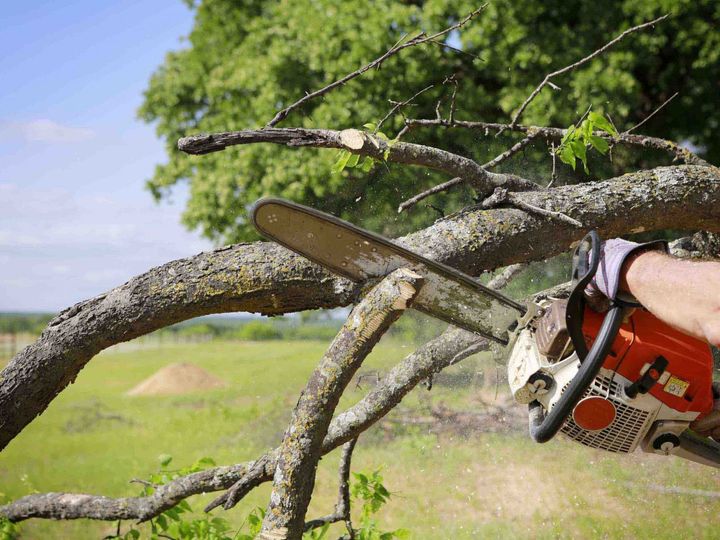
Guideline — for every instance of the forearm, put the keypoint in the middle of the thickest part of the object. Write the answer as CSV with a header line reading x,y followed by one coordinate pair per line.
x,y
684,294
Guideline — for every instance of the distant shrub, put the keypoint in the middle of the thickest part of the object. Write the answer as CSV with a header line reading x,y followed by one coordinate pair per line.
x,y
202,329
258,331
313,331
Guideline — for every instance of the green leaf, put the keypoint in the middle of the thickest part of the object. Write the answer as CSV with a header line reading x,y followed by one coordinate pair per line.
x,y
599,144
370,126
164,459
569,135
367,164
602,123
353,161
204,463
567,156
580,152
381,135
162,522
342,160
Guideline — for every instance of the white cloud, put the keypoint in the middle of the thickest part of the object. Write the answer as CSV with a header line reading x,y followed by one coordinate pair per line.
x,y
59,246
44,130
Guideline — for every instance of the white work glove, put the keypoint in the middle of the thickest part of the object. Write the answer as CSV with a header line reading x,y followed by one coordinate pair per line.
x,y
709,426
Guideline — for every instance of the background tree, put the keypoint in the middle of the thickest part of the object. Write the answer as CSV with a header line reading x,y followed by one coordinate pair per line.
x,y
245,60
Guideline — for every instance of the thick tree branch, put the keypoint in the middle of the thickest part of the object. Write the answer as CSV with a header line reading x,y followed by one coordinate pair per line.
x,y
365,144
265,278
294,478
552,133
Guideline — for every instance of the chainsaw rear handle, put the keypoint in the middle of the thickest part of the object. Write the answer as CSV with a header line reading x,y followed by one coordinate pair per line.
x,y
544,427
586,259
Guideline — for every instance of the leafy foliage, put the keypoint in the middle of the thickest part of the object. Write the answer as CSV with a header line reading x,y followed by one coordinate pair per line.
x,y
577,140
245,60
368,489
8,530
175,522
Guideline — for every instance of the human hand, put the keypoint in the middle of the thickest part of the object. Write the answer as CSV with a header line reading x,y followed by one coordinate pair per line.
x,y
605,286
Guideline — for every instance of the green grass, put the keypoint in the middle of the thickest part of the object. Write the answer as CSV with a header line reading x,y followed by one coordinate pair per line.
x,y
490,486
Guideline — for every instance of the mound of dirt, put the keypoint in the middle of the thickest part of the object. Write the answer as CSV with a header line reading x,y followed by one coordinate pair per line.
x,y
176,379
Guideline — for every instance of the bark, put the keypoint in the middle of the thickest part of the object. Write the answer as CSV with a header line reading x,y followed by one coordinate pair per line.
x,y
366,144
294,477
265,278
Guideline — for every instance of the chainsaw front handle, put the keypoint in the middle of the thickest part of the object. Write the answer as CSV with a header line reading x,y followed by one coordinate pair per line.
x,y
544,427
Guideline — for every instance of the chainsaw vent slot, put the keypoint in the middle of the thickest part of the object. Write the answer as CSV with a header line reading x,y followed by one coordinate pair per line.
x,y
624,434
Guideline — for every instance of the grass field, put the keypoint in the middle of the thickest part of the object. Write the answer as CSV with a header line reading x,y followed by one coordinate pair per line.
x,y
487,486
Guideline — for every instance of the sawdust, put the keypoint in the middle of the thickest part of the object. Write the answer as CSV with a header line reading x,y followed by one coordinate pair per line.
x,y
174,379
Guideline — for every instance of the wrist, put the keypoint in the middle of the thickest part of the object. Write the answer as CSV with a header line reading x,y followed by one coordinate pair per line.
x,y
638,268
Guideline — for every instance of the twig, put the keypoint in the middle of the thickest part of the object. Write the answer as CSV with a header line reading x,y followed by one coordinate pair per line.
x,y
432,191
457,180
342,508
553,174
454,82
668,100
503,196
571,67
398,105
501,280
542,211
445,45
514,149
417,40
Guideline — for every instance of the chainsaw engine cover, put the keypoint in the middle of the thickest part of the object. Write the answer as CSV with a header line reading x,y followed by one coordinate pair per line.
x,y
681,393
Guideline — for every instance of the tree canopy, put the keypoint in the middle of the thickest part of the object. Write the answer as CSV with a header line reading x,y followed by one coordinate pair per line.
x,y
245,60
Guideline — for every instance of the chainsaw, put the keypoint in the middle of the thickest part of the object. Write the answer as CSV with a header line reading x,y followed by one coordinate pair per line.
x,y
615,381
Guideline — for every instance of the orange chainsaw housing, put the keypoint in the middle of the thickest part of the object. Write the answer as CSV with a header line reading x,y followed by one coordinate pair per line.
x,y
641,339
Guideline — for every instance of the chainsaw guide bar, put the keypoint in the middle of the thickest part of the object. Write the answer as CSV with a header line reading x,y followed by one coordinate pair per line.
x,y
361,255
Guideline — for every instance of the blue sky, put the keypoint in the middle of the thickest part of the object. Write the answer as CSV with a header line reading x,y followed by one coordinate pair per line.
x,y
75,219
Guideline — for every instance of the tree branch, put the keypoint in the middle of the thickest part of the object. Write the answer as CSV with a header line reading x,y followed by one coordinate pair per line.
x,y
294,478
364,144
427,360
489,165
678,152
417,40
342,508
575,65
265,278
